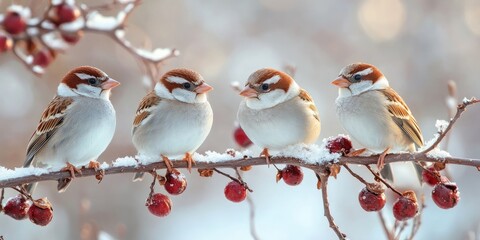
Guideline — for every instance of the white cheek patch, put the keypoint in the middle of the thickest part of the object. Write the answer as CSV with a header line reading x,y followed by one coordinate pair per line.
x,y
87,90
365,72
360,87
178,80
272,80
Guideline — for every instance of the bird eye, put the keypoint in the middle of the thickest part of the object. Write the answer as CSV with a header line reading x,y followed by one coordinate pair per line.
x,y
357,77
92,81
187,85
265,87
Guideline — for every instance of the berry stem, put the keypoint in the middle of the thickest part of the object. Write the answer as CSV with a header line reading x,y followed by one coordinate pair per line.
x,y
377,176
152,187
22,191
2,196
245,185
355,175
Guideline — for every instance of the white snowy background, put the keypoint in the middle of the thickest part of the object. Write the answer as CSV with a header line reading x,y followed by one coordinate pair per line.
x,y
419,45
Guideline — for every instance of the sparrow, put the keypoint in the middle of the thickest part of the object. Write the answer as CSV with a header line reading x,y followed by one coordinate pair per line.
x,y
77,125
374,114
174,119
275,112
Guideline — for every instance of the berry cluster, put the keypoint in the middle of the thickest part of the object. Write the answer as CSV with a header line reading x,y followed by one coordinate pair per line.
x,y
36,40
39,211
174,183
445,194
24,32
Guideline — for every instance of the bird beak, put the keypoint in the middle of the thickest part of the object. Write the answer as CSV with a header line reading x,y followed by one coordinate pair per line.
x,y
203,88
109,84
341,82
249,92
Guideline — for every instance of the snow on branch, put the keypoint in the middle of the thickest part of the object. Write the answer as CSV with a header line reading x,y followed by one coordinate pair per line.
x,y
36,41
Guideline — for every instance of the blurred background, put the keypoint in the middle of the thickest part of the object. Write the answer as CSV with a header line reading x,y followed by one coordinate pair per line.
x,y
419,46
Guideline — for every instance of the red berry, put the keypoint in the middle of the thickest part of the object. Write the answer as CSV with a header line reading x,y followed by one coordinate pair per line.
x,y
42,58
66,13
14,23
41,212
72,38
175,182
6,42
371,201
235,192
159,205
405,207
292,175
339,144
431,176
17,207
241,138
446,195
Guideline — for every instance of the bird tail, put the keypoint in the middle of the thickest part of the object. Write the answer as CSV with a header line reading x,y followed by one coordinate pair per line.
x,y
138,177
63,184
30,187
387,172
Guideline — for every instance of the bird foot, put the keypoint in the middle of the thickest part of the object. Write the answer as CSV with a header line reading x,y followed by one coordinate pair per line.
x,y
71,169
168,163
381,159
190,161
94,164
265,154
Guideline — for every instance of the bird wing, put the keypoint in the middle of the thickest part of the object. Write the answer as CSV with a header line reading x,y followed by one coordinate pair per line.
x,y
52,119
145,108
402,116
309,100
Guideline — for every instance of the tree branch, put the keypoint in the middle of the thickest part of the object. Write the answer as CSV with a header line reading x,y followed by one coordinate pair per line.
x,y
326,207
404,157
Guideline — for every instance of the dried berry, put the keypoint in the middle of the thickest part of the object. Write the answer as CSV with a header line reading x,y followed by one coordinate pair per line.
x,y
241,138
175,182
41,212
339,144
72,38
64,13
42,58
446,195
371,201
235,192
292,175
17,207
159,205
405,207
14,23
431,176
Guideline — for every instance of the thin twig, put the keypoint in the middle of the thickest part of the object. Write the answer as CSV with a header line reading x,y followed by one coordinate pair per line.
x,y
234,179
460,109
377,176
251,205
326,207
253,230
384,226
355,175
2,196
